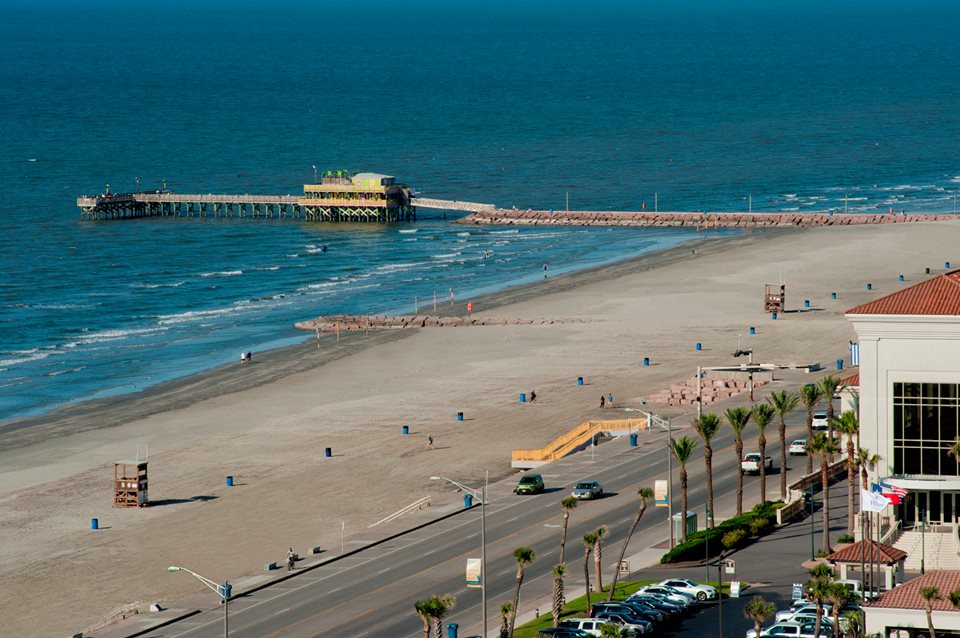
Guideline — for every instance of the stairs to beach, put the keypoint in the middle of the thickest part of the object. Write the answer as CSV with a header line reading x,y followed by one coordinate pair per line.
x,y
937,549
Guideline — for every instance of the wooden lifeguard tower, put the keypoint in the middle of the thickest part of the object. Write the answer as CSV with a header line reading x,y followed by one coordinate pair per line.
x,y
130,484
774,297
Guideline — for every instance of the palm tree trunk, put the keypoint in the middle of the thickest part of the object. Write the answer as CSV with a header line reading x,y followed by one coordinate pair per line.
x,y
836,619
708,461
563,534
851,479
739,448
826,502
683,504
763,468
597,563
830,417
426,626
816,628
586,574
623,549
516,600
783,460
437,626
933,632
809,440
557,599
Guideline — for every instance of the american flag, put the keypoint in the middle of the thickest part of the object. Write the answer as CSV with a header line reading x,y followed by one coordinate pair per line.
x,y
893,489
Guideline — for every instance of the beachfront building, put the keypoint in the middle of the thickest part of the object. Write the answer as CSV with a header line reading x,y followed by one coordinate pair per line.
x,y
359,197
909,394
901,612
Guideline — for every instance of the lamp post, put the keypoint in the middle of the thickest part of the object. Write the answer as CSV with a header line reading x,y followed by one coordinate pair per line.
x,y
221,590
812,554
480,495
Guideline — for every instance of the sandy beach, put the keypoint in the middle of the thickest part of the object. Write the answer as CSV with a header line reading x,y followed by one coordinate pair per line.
x,y
268,423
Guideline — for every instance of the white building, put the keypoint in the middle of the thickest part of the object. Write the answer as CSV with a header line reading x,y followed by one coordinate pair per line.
x,y
910,393
901,612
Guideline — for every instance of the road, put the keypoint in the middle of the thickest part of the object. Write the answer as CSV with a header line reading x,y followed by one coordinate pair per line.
x,y
372,593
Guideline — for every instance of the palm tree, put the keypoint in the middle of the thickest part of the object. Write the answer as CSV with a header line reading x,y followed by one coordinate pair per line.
x,y
609,630
506,611
847,424
682,450
829,387
645,494
762,414
424,609
758,610
589,540
866,461
738,418
707,426
954,598
818,590
810,397
954,450
440,609
854,624
597,558
930,595
783,403
825,447
839,596
568,504
523,556
559,570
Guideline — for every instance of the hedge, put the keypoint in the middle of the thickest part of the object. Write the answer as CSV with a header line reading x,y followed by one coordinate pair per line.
x,y
708,543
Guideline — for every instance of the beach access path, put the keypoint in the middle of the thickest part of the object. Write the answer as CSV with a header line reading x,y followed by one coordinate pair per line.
x,y
267,424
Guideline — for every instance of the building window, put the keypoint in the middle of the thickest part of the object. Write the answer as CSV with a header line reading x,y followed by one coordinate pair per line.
x,y
926,422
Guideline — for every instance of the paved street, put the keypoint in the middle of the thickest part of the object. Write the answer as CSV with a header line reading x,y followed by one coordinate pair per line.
x,y
372,592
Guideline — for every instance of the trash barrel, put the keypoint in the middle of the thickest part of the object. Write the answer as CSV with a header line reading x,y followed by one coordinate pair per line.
x,y
927,270
773,316
901,277
833,295
633,440
806,303
229,481
839,364
579,380
753,330
452,629
406,429
946,265
328,452
869,286
459,416
646,361
523,397
699,346
94,523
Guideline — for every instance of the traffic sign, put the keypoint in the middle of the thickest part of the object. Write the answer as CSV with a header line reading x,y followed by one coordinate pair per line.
x,y
624,568
798,591
729,566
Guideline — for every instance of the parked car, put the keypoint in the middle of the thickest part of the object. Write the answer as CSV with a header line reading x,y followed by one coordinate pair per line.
x,y
630,623
702,592
590,626
751,463
587,490
800,607
671,594
820,420
562,632
628,608
681,606
798,447
650,601
529,484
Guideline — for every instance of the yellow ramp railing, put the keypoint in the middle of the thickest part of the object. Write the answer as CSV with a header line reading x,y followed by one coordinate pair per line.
x,y
563,445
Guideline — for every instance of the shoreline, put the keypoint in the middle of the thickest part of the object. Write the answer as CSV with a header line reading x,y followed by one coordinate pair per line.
x,y
273,365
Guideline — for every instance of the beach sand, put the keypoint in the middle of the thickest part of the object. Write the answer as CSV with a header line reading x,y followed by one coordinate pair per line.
x,y
268,423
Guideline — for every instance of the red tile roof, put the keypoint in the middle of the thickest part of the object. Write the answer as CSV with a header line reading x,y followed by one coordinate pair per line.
x,y
851,554
852,380
907,595
937,296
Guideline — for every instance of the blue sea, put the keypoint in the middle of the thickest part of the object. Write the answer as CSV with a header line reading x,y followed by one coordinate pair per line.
x,y
701,105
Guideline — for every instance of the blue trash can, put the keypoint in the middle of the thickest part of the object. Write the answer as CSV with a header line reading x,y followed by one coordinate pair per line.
x,y
946,265
579,380
633,440
901,277
833,295
773,316
523,397
869,286
459,416
839,364
328,452
753,330
806,303
452,629
229,481
94,523
467,500
646,361
699,346
406,429
927,270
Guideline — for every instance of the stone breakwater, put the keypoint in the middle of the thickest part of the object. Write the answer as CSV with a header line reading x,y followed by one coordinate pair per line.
x,y
362,323
505,217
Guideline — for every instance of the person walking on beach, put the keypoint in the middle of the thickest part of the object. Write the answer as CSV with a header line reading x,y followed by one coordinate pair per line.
x,y
610,400
291,559
533,396
429,442
249,357
243,357
545,268
603,401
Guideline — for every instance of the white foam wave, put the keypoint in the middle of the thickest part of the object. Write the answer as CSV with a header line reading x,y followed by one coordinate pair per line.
x,y
268,267
104,336
388,268
152,286
512,231
222,273
447,255
409,231
24,356
463,234
193,315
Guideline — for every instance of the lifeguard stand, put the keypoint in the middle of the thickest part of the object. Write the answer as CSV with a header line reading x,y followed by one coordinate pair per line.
x,y
774,297
130,484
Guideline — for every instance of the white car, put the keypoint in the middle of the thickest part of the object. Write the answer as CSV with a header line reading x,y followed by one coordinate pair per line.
x,y
671,594
702,592
798,448
590,625
801,607
792,630
751,463
820,421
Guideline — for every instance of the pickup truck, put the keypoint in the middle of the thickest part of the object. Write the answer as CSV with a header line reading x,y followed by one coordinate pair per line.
x,y
751,463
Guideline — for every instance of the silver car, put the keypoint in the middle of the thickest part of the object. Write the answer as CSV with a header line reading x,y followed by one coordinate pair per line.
x,y
587,490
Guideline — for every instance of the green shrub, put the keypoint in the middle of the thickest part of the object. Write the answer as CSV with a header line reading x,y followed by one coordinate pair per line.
x,y
734,538
845,538
822,553
759,526
709,542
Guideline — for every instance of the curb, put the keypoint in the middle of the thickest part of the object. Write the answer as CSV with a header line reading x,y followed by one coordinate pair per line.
x,y
165,623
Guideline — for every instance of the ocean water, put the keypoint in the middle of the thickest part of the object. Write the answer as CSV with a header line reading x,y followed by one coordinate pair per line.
x,y
705,106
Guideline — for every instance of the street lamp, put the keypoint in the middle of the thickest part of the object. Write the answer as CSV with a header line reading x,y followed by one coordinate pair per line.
x,y
480,495
221,590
